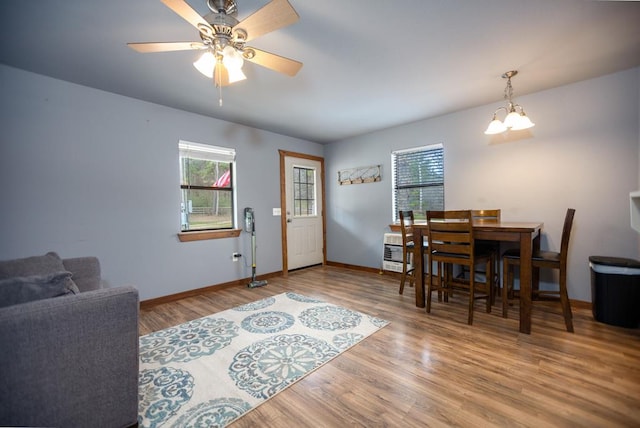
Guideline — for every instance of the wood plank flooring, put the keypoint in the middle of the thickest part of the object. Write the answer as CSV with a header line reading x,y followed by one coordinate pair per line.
x,y
435,370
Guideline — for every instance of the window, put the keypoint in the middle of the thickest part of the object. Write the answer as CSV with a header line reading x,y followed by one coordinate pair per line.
x,y
304,191
207,187
418,180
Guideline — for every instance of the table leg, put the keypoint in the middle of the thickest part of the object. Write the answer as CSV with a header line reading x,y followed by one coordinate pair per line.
x,y
418,259
526,277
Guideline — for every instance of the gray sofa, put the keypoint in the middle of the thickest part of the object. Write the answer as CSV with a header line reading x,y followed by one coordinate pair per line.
x,y
70,357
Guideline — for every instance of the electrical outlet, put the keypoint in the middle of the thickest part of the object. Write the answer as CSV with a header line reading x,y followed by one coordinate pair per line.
x,y
235,257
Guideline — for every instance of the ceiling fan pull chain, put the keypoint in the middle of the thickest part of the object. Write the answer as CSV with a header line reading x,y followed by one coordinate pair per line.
x,y
217,80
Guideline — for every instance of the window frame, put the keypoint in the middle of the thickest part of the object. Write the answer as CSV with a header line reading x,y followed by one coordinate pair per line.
x,y
430,152
308,195
210,153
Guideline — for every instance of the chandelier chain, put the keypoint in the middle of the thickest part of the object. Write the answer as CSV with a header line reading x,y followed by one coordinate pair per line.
x,y
508,90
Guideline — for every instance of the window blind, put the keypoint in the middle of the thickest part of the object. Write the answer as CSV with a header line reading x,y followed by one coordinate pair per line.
x,y
418,180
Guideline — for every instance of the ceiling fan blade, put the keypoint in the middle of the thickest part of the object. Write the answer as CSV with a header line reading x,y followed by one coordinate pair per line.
x,y
165,46
272,61
187,13
274,15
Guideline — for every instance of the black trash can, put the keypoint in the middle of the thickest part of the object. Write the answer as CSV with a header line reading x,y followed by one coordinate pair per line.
x,y
615,290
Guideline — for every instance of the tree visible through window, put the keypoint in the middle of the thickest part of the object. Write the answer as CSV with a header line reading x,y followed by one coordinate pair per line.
x,y
207,186
418,180
304,191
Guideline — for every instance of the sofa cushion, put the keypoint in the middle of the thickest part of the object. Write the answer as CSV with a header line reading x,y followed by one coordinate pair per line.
x,y
86,272
29,266
24,289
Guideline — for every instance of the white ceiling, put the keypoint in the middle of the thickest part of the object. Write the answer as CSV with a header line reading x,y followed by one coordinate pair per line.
x,y
368,64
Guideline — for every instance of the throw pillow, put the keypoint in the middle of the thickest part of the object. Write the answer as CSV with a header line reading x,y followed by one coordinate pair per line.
x,y
29,266
36,287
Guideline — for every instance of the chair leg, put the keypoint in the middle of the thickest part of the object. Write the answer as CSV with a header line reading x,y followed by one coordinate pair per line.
x,y
493,283
506,283
564,301
471,299
446,276
429,289
440,279
496,276
403,278
490,283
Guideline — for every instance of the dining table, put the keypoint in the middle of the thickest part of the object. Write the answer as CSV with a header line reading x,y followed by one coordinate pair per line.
x,y
526,234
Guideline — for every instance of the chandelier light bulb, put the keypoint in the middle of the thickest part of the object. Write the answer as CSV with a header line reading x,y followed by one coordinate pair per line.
x,y
495,127
523,123
512,119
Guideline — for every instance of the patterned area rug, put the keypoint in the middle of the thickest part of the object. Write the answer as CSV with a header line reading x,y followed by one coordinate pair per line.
x,y
210,371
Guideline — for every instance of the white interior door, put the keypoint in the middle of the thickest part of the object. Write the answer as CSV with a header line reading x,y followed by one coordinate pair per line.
x,y
303,212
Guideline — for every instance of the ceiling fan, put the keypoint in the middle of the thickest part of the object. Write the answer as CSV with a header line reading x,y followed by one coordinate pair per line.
x,y
224,38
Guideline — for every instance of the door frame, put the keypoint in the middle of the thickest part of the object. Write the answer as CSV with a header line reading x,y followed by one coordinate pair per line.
x,y
283,206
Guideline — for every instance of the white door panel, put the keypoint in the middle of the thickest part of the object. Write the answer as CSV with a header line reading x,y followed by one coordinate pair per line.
x,y
303,212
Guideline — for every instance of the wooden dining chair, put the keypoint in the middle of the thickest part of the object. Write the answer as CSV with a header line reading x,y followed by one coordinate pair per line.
x,y
406,228
548,260
451,242
493,247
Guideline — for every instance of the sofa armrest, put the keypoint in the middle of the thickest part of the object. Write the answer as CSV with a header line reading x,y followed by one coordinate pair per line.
x,y
71,361
86,272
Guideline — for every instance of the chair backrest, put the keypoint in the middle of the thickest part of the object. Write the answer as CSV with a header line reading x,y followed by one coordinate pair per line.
x,y
451,233
566,234
406,226
486,215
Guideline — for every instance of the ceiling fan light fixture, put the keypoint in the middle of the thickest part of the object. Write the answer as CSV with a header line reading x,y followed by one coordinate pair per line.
x,y
231,58
514,120
232,61
205,64
235,75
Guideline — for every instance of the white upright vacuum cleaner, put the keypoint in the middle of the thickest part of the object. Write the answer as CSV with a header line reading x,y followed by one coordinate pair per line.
x,y
250,226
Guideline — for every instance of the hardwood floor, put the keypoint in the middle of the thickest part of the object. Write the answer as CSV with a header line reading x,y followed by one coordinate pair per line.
x,y
435,370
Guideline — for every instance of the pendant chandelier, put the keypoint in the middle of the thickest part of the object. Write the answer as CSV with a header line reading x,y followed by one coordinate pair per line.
x,y
516,119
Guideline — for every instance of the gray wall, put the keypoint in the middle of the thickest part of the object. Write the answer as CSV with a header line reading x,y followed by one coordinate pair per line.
x,y
85,172
583,153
